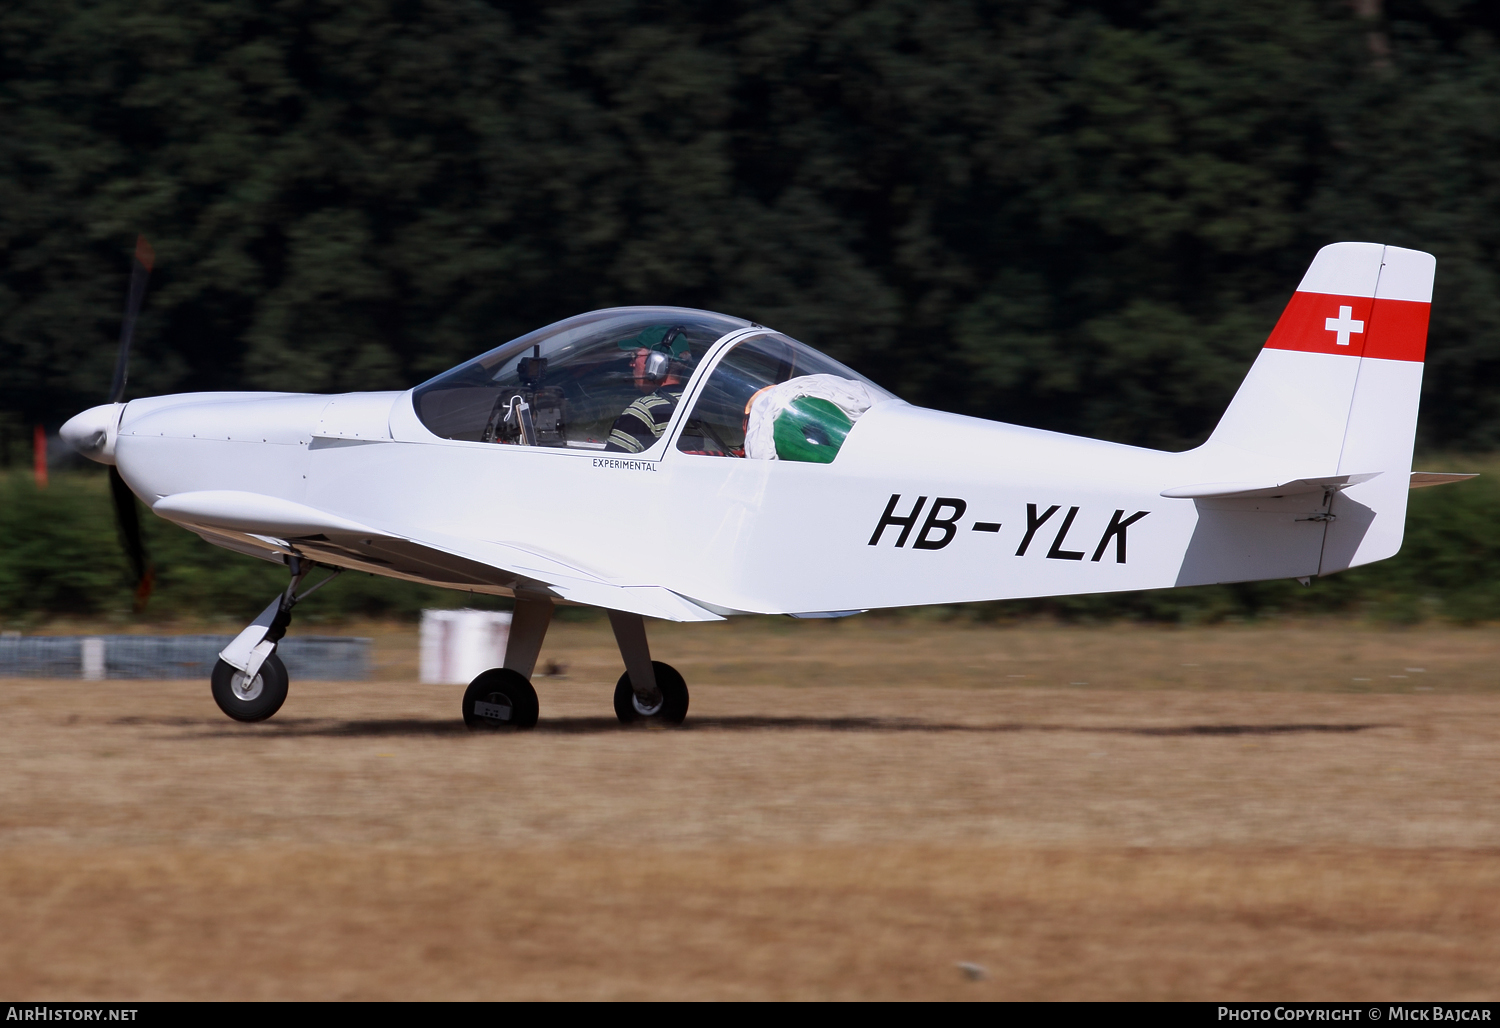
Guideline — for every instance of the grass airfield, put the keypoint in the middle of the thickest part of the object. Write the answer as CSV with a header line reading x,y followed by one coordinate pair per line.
x,y
1303,810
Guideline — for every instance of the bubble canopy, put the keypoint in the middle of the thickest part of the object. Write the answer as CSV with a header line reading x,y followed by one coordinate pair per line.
x,y
613,380
588,378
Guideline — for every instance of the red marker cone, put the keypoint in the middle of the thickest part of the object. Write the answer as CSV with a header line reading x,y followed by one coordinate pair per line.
x,y
39,456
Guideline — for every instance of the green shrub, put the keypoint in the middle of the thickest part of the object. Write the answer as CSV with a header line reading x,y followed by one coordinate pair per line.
x,y
60,554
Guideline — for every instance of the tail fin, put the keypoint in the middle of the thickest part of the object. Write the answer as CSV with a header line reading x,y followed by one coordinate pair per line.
x,y
1335,392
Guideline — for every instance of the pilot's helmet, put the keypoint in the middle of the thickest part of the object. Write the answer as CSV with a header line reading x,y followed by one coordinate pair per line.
x,y
668,352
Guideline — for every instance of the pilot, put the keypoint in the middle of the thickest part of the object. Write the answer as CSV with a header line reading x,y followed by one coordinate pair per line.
x,y
658,367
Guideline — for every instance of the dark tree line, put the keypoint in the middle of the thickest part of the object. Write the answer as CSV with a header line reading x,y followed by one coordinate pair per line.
x,y
1076,215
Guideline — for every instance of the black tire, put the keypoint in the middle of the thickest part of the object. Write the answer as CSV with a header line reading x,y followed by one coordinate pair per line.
x,y
258,700
505,700
674,698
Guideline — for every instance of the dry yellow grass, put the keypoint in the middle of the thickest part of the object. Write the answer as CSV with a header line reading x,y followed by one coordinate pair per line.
x,y
887,922
853,810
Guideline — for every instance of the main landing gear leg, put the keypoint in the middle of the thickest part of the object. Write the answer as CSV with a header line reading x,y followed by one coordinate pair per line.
x,y
648,691
502,697
249,681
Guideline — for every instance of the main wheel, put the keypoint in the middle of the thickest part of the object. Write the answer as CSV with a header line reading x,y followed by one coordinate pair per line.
x,y
500,698
672,708
250,699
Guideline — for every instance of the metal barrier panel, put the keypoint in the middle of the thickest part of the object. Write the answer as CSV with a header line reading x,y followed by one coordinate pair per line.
x,y
162,656
329,657
336,657
41,656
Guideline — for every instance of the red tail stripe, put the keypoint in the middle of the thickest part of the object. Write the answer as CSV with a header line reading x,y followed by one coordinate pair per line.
x,y
1394,330
1400,331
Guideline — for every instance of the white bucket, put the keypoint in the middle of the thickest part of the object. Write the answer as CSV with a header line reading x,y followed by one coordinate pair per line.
x,y
458,644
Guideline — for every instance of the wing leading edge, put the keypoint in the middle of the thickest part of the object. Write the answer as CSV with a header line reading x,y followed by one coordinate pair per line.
x,y
263,525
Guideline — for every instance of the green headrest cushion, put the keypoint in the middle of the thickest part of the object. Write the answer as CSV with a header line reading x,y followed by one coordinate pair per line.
x,y
810,430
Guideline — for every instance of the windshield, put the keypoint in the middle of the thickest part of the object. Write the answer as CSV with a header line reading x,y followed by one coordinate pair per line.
x,y
605,380
773,398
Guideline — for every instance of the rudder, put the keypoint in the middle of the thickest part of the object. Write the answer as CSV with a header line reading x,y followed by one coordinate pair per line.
x,y
1370,518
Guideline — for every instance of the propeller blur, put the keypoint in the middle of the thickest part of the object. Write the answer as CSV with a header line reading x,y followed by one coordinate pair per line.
x,y
92,433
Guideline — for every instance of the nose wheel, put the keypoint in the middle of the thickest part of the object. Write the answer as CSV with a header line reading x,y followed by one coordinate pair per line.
x,y
250,697
669,706
249,681
500,698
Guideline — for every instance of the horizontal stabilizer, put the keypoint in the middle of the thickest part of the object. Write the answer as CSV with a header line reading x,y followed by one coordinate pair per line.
x,y
1423,479
1259,490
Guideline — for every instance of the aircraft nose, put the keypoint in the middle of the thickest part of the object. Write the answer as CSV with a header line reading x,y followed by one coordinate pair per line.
x,y
93,432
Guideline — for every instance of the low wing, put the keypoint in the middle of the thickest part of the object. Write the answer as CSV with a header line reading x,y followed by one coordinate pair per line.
x,y
259,524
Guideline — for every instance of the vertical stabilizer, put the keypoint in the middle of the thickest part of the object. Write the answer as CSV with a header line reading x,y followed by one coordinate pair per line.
x,y
1335,392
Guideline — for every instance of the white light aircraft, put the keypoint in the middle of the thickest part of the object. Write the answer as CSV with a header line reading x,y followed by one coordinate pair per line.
x,y
679,464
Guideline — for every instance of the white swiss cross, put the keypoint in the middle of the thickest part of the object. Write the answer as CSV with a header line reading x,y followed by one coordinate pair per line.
x,y
1343,325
